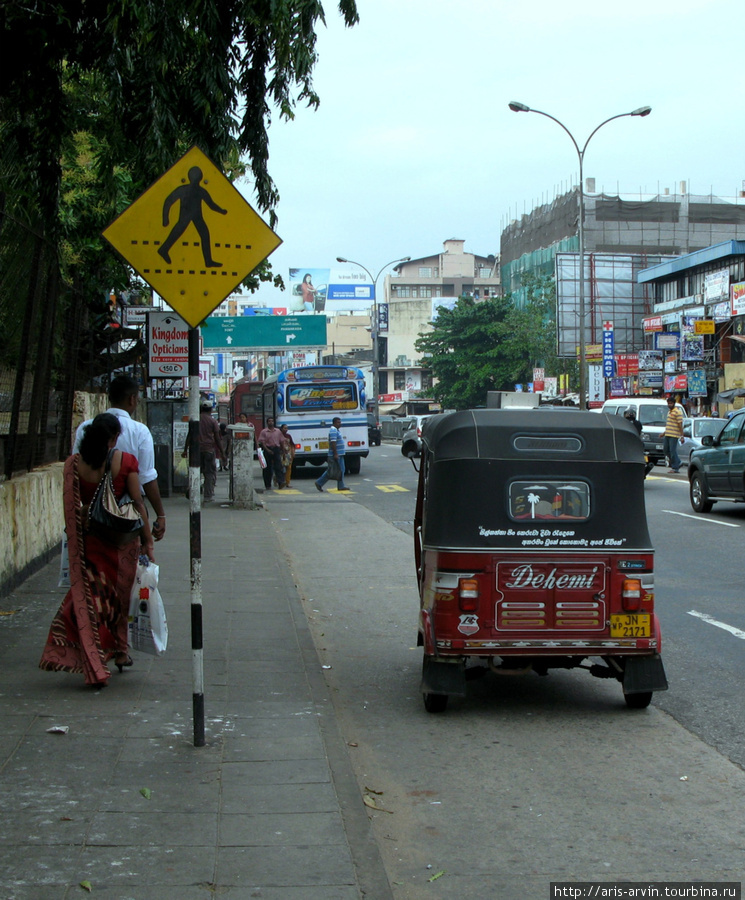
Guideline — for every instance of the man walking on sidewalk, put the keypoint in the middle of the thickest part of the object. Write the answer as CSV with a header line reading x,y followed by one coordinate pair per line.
x,y
673,433
134,438
270,441
337,449
210,449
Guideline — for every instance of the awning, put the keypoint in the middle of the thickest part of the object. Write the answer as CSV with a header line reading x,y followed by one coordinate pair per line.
x,y
729,396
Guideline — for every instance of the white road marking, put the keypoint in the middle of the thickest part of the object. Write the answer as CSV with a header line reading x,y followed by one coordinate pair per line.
x,y
700,519
732,630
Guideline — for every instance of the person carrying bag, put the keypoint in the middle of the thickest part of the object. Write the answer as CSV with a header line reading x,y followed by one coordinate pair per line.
x,y
112,520
90,627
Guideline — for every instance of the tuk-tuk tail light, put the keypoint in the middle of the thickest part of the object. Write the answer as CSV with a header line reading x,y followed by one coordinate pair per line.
x,y
468,594
631,594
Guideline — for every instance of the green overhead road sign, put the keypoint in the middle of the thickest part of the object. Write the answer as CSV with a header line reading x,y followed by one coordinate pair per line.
x,y
264,332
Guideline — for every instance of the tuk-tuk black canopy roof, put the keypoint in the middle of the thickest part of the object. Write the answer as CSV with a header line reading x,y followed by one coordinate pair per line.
x,y
540,434
472,460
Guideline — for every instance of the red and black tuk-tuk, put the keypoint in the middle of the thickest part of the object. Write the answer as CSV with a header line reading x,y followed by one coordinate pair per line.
x,y
533,552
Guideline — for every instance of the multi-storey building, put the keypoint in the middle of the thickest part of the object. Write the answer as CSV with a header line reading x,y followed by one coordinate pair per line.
x,y
667,224
412,295
706,286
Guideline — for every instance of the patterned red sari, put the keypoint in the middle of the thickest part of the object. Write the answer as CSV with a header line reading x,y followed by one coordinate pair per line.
x,y
91,624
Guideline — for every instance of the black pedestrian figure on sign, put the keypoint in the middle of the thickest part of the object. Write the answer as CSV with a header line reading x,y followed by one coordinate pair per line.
x,y
191,196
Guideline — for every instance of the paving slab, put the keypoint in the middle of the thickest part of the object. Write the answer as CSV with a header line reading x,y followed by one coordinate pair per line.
x,y
124,800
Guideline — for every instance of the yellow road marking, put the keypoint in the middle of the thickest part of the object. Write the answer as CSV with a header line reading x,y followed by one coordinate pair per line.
x,y
391,488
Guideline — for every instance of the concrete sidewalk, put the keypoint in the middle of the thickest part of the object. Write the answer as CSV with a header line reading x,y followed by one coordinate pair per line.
x,y
269,808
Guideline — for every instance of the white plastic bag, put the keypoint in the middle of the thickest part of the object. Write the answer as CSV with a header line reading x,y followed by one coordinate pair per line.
x,y
148,629
64,565
260,456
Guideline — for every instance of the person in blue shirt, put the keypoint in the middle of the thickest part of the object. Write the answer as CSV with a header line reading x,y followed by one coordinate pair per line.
x,y
337,447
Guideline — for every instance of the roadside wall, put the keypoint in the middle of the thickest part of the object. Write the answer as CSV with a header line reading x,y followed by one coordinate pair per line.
x,y
33,521
31,509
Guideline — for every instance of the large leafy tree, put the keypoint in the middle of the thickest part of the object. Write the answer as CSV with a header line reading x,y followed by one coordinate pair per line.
x,y
490,345
532,330
465,351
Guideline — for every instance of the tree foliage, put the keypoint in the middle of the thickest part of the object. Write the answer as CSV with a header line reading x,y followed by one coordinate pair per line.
x,y
490,345
166,74
100,97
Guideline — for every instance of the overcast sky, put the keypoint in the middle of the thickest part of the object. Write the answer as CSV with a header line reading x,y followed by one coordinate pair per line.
x,y
414,142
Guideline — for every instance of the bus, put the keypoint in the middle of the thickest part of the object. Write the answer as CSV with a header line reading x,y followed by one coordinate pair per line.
x,y
246,398
306,399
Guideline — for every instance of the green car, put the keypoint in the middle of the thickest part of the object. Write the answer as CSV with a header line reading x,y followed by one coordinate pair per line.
x,y
717,470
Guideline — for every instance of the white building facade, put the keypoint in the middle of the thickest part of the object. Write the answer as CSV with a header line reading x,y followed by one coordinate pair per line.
x,y
412,296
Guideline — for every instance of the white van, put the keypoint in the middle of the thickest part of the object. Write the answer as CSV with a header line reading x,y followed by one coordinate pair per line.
x,y
652,413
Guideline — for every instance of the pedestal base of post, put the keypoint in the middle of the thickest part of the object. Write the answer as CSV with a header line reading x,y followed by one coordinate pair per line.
x,y
242,464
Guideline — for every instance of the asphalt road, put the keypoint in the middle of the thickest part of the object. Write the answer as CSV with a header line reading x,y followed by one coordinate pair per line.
x,y
527,780
701,601
700,593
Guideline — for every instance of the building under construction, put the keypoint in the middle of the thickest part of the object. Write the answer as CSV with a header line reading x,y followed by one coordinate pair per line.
x,y
623,235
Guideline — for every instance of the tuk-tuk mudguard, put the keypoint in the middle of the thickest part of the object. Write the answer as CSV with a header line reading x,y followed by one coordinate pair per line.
x,y
644,673
441,677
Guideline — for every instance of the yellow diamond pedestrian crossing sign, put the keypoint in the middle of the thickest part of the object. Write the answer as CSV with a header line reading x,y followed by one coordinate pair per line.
x,y
192,237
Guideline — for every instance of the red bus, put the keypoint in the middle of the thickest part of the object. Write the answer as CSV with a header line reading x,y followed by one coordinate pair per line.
x,y
246,398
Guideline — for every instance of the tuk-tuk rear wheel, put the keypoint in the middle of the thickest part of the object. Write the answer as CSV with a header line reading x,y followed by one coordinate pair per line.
x,y
638,701
435,703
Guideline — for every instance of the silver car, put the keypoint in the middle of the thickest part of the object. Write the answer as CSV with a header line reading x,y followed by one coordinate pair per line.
x,y
693,431
411,442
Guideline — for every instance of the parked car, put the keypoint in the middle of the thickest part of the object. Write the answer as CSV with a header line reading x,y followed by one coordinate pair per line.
x,y
652,414
411,442
374,434
694,430
717,470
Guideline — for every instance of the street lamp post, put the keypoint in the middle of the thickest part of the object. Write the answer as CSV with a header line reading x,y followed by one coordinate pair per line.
x,y
374,324
515,106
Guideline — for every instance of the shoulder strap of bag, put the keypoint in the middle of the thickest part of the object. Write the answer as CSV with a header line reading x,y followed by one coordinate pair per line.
x,y
104,477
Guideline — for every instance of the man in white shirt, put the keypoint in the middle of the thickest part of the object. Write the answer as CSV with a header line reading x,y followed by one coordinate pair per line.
x,y
135,438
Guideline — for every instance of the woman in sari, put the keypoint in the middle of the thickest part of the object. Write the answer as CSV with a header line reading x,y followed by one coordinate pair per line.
x,y
287,453
90,627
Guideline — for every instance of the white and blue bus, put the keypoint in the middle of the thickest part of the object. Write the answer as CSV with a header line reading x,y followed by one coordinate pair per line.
x,y
306,399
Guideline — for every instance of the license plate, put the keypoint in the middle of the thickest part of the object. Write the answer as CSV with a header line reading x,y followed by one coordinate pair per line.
x,y
630,626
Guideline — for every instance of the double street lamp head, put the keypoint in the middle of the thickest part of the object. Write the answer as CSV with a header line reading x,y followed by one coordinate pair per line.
x,y
516,106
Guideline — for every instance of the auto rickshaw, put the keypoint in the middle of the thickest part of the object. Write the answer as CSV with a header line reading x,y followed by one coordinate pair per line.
x,y
532,551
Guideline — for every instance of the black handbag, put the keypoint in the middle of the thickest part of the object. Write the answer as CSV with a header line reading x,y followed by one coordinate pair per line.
x,y
334,469
113,522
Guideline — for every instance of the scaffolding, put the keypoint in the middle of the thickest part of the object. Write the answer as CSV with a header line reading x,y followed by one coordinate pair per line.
x,y
664,224
612,294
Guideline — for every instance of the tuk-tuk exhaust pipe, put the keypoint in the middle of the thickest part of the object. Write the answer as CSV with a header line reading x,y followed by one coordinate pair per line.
x,y
506,670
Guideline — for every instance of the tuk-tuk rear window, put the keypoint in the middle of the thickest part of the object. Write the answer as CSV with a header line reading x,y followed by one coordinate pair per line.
x,y
549,499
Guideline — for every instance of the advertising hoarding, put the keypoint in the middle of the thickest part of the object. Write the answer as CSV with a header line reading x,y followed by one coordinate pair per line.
x,y
167,345
716,286
316,290
608,348
738,299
